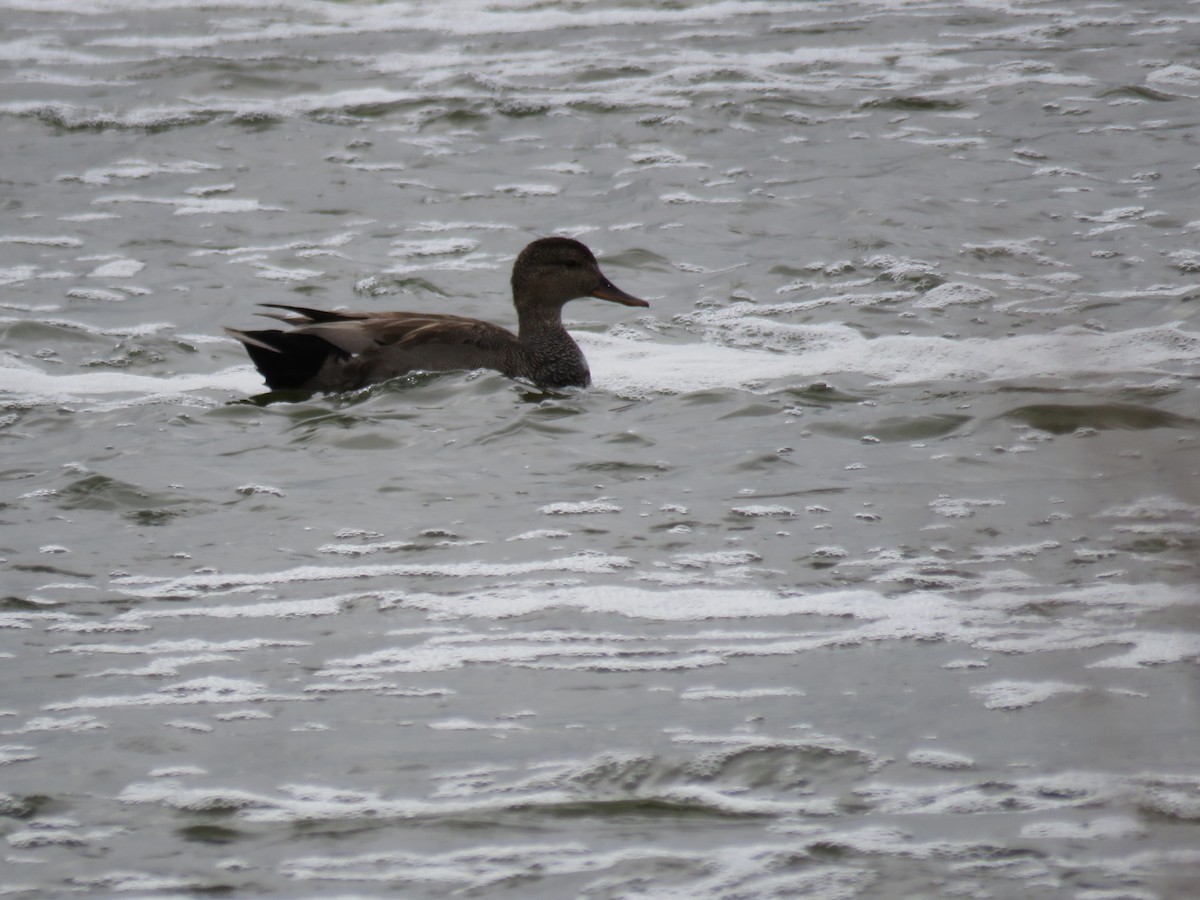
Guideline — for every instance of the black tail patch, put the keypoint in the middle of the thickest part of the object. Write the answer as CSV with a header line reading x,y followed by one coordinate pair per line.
x,y
288,360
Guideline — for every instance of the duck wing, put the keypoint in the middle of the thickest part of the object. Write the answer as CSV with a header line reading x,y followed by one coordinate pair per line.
x,y
336,351
431,343
388,332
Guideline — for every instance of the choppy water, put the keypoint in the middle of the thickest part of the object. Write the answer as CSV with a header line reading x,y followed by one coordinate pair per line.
x,y
867,568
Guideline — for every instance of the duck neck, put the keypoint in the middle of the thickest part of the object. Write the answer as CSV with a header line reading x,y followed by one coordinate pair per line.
x,y
551,352
536,320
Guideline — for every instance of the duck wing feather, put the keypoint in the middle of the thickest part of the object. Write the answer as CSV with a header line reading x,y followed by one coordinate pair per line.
x,y
374,335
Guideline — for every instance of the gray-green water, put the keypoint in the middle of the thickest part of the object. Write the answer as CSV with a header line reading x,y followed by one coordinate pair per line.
x,y
867,567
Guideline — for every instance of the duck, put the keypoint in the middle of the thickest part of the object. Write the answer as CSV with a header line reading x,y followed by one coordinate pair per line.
x,y
335,351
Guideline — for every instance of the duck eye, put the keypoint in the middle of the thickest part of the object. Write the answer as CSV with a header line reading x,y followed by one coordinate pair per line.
x,y
573,264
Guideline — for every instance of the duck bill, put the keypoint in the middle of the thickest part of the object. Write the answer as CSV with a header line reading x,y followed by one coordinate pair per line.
x,y
609,291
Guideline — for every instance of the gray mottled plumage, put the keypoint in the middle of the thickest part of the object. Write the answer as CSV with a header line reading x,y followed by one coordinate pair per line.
x,y
339,351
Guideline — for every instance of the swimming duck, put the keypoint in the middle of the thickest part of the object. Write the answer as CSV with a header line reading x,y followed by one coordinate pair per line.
x,y
340,351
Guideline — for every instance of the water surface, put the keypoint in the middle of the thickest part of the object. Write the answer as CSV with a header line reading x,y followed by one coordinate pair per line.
x,y
867,567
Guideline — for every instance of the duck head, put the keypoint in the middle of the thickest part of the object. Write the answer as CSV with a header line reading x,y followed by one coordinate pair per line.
x,y
551,271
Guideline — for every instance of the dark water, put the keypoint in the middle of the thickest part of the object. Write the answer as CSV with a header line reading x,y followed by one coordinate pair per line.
x,y
867,567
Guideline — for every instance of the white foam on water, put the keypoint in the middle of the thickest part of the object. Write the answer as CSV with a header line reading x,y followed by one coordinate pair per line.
x,y
940,759
60,723
207,690
163,666
338,239
433,247
45,50
199,585
365,549
1152,648
70,115
711,693
33,240
460,17
17,274
838,618
686,604
1176,79
1154,508
1019,694
118,268
190,645
637,663
541,534
1021,551
716,558
755,511
483,868
1122,598
96,294
442,656
139,168
192,206
638,367
27,382
1064,790
277,273
463,724
606,777
16,753
581,508
953,294
276,609
1103,828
